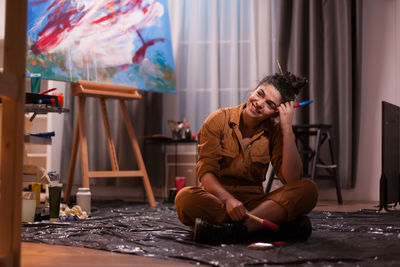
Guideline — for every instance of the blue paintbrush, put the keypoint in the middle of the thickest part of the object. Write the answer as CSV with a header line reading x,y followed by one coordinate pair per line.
x,y
300,104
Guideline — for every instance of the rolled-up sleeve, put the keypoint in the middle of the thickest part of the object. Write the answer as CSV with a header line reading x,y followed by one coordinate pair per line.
x,y
209,145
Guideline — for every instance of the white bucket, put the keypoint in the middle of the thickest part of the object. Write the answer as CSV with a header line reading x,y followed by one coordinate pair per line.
x,y
28,206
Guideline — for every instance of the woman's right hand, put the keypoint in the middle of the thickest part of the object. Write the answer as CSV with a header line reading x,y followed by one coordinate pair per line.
x,y
235,209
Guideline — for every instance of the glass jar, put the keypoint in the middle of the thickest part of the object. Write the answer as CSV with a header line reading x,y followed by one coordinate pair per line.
x,y
83,199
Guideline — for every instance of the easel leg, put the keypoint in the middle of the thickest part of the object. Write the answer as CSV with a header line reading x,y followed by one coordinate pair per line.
x,y
138,154
83,142
72,161
110,143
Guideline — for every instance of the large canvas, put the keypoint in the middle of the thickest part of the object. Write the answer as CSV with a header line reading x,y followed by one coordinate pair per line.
x,y
125,42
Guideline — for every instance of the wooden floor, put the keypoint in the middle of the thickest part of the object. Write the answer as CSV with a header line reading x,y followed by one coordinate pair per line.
x,y
34,254
41,255
346,206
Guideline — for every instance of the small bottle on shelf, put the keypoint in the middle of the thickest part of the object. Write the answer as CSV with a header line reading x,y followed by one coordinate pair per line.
x,y
188,133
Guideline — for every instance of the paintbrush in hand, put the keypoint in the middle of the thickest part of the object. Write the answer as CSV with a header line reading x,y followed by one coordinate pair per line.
x,y
266,223
300,104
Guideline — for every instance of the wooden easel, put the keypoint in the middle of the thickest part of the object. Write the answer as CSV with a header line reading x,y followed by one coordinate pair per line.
x,y
83,89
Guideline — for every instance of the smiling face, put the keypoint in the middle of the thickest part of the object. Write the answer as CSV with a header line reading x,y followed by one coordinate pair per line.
x,y
263,102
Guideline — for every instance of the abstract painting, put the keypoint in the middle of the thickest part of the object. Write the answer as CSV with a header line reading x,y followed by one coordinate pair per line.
x,y
124,42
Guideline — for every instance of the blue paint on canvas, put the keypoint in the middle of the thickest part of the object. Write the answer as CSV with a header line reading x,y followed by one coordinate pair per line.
x,y
125,42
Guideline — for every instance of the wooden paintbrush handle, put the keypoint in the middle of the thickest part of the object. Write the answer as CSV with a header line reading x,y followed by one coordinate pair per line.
x,y
266,223
251,216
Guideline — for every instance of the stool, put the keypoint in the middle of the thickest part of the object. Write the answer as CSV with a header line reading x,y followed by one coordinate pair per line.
x,y
307,153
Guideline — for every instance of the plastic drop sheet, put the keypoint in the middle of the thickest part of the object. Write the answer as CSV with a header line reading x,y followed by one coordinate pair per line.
x,y
364,238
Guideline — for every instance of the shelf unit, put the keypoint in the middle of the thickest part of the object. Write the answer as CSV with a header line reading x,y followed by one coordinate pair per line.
x,y
36,152
36,148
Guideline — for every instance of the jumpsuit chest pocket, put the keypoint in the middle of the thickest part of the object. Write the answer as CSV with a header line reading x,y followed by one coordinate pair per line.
x,y
259,166
228,157
229,145
259,151
260,158
229,152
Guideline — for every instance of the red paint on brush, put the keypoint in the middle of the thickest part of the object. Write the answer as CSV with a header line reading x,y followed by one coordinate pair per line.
x,y
271,225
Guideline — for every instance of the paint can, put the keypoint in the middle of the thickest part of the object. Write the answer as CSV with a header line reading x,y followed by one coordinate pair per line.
x,y
28,206
55,189
37,187
35,83
172,195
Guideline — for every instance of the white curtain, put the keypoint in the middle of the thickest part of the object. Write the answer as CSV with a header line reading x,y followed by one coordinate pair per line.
x,y
222,48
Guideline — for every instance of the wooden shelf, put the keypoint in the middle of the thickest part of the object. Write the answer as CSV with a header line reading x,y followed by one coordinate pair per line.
x,y
37,155
43,109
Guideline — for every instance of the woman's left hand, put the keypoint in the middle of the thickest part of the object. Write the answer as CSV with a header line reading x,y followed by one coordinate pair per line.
x,y
286,115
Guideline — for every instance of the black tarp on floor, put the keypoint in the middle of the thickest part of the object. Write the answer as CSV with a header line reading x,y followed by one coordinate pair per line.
x,y
364,238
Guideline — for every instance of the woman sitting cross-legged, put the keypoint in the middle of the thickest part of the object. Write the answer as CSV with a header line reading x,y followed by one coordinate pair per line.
x,y
235,147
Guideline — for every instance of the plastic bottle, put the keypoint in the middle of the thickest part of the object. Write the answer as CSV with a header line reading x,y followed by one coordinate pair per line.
x,y
188,133
83,199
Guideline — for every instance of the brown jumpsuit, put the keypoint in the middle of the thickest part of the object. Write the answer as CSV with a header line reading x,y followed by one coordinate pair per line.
x,y
241,171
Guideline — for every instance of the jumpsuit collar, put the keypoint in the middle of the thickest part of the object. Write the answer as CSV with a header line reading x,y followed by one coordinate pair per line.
x,y
234,122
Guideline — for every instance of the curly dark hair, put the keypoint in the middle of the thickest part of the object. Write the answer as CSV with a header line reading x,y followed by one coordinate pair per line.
x,y
288,84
